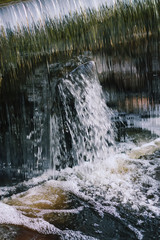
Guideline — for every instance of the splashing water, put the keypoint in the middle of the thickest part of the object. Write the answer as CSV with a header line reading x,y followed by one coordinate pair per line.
x,y
84,131
113,191
100,167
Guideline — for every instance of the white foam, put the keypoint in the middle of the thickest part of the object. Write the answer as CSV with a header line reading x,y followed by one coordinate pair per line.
x,y
5,191
145,149
9,215
118,180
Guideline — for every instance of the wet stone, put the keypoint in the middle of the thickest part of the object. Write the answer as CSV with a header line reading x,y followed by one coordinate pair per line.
x,y
89,222
9,232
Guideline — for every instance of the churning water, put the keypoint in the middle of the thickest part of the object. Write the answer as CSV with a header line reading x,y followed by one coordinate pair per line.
x,y
82,127
79,159
102,190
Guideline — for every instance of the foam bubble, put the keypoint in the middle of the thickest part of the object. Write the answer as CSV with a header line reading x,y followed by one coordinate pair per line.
x,y
9,215
118,182
145,149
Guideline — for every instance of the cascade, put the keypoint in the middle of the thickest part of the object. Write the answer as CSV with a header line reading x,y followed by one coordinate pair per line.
x,y
61,124
29,13
79,120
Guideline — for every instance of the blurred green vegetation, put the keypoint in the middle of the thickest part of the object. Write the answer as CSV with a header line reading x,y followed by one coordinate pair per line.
x,y
112,29
2,2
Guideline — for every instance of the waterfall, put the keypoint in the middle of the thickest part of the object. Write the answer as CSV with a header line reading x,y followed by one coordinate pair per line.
x,y
80,119
29,13
60,124
33,30
81,128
